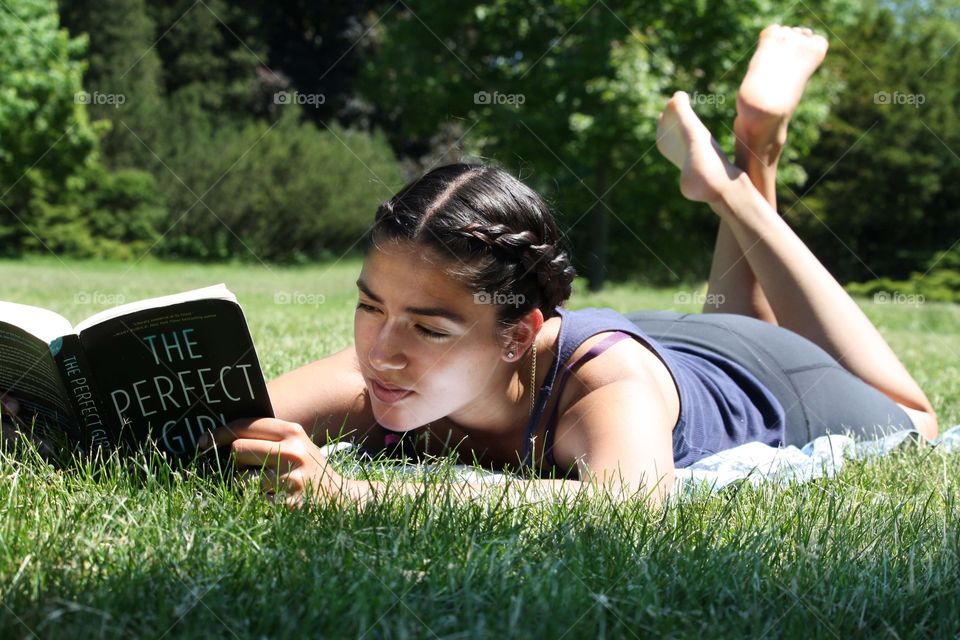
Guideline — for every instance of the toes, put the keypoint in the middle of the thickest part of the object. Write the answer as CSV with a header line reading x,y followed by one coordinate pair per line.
x,y
769,30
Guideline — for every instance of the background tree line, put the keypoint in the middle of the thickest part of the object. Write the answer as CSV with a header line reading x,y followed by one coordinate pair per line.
x,y
263,131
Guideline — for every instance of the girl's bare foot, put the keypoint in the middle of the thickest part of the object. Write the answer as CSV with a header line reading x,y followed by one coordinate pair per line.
x,y
683,140
770,92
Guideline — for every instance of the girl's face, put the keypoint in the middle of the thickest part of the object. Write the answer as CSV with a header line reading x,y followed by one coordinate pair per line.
x,y
418,329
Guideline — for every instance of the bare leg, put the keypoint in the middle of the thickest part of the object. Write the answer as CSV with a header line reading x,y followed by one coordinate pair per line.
x,y
802,293
768,96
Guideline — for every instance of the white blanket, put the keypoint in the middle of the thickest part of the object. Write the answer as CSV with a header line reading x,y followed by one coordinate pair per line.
x,y
823,456
753,462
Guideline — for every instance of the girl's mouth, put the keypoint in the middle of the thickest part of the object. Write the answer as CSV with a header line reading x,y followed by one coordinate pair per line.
x,y
388,395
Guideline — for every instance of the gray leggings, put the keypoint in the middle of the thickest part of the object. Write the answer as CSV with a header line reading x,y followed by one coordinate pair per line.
x,y
817,393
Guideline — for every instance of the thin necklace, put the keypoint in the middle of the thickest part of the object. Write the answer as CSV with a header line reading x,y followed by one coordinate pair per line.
x,y
533,379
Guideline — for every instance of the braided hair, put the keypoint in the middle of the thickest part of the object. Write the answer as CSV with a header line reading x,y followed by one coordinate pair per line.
x,y
496,234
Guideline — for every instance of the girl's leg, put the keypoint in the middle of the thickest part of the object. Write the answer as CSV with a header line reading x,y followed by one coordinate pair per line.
x,y
803,294
768,96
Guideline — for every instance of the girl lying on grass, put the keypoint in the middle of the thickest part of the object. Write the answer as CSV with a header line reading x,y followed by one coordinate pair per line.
x,y
461,336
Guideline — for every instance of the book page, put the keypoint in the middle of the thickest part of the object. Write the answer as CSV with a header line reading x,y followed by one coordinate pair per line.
x,y
42,323
218,291
29,373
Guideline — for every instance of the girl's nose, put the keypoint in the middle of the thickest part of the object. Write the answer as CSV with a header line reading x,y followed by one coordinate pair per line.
x,y
386,352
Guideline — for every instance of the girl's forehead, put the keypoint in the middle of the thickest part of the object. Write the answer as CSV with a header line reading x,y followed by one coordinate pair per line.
x,y
407,276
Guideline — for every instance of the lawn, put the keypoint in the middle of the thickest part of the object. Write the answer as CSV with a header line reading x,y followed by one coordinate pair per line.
x,y
141,551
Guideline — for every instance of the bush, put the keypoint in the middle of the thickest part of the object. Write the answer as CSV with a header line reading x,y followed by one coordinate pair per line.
x,y
939,283
101,215
287,192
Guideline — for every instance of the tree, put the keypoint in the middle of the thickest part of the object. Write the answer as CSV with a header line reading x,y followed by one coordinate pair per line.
x,y
883,194
46,141
566,94
123,77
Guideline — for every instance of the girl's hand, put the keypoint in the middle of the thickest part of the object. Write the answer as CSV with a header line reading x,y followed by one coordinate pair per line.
x,y
290,465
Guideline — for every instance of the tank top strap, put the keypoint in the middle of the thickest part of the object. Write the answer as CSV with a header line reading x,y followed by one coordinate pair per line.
x,y
575,327
594,351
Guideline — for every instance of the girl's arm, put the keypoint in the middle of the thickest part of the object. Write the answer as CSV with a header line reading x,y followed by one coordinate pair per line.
x,y
621,428
290,464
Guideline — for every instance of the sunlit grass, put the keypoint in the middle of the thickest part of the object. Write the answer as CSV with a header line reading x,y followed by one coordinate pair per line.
x,y
134,549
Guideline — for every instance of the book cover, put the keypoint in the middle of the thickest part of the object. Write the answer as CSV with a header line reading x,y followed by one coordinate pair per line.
x,y
165,370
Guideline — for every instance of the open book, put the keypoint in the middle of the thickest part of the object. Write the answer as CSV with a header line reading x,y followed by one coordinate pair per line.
x,y
167,369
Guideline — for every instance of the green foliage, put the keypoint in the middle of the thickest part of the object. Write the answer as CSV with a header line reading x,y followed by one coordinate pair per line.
x,y
572,89
123,81
883,195
45,137
939,282
234,186
281,192
210,50
105,215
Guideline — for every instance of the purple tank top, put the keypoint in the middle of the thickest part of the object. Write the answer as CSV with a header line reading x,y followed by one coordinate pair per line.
x,y
722,405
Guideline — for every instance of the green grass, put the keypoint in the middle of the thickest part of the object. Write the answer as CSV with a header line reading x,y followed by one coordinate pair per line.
x,y
138,550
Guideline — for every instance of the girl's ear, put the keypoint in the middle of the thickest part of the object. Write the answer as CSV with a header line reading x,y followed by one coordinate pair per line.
x,y
521,335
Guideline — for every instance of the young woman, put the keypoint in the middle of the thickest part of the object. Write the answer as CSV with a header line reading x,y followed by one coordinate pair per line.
x,y
461,338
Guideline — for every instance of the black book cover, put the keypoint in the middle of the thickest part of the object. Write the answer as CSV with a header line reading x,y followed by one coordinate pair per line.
x,y
175,372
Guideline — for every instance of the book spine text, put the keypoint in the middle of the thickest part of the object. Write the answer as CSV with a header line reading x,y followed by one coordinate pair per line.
x,y
93,430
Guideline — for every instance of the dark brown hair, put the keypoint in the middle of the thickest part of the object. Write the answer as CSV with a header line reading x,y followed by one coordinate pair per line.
x,y
495,234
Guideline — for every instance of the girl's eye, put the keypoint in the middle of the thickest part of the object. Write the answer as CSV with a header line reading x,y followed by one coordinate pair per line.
x,y
426,333
432,335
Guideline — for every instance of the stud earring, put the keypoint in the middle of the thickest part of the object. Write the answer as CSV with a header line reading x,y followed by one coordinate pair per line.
x,y
510,354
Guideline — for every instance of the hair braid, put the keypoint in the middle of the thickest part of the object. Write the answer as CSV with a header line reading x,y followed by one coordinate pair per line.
x,y
498,233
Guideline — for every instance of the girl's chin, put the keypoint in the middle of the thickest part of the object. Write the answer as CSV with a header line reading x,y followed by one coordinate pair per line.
x,y
392,419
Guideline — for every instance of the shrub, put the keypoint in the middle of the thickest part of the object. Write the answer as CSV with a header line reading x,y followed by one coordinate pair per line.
x,y
287,192
939,283
101,215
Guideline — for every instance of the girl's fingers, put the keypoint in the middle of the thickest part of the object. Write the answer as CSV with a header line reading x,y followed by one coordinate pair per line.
x,y
261,453
255,428
281,486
